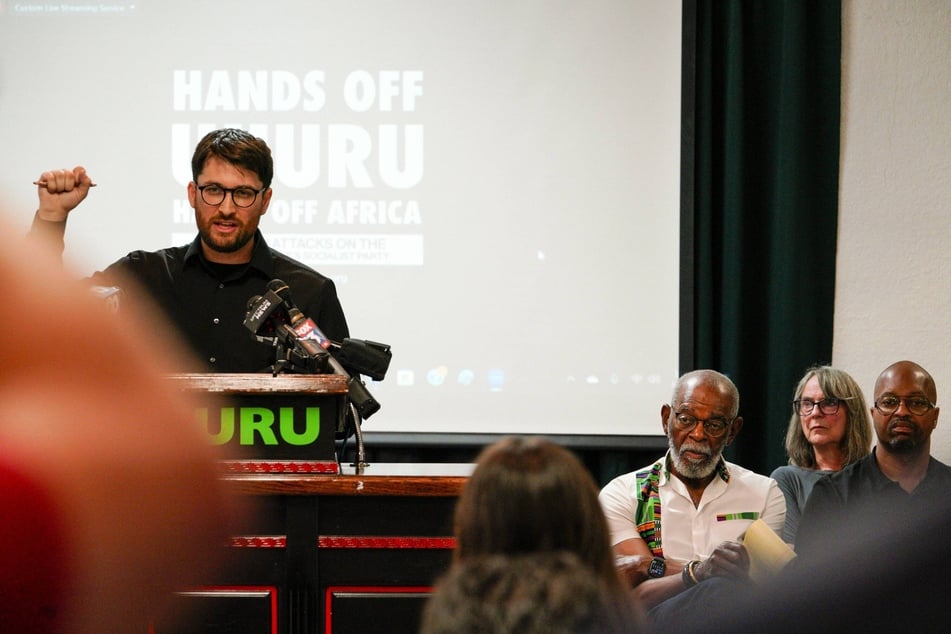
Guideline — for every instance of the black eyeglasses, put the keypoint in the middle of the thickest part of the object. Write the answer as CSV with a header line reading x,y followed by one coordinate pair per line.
x,y
827,406
241,196
917,405
714,427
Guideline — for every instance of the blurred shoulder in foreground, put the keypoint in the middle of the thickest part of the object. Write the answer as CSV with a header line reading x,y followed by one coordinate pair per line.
x,y
109,487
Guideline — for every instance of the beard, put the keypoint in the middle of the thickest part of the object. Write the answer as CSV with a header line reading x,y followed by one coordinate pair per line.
x,y
694,469
904,443
230,245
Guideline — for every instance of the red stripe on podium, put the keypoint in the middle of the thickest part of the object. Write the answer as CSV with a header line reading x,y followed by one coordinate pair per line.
x,y
280,466
259,541
355,542
349,542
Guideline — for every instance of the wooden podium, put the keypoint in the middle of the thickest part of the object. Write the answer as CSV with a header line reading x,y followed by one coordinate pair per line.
x,y
326,549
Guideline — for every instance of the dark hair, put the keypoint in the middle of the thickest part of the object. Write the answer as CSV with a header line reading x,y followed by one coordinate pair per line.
x,y
238,148
529,495
857,441
537,593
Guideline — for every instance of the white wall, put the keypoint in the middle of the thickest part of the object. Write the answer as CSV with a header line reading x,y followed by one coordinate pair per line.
x,y
893,297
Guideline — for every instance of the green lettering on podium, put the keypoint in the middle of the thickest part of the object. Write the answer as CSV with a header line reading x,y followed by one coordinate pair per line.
x,y
257,420
311,426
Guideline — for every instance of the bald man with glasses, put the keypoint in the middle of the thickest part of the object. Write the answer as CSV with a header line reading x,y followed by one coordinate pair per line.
x,y
896,482
687,511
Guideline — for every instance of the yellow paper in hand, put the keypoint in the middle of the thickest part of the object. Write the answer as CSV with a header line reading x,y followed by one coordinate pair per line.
x,y
768,552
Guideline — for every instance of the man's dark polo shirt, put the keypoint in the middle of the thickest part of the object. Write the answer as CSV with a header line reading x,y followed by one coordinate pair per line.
x,y
860,498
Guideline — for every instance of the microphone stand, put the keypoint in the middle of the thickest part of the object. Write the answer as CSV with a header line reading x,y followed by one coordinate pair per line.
x,y
280,362
360,464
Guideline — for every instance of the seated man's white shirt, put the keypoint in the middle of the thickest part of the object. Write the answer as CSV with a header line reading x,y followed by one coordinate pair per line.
x,y
726,509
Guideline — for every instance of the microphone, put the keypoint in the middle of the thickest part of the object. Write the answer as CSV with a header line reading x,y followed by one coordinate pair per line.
x,y
311,337
303,327
265,318
261,310
309,347
364,357
361,356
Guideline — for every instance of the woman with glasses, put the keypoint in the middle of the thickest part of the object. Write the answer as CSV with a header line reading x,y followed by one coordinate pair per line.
x,y
829,428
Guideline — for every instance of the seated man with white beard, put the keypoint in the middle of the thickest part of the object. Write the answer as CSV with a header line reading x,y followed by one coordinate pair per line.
x,y
706,503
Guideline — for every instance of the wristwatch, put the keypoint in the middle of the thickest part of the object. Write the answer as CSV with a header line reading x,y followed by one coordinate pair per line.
x,y
657,568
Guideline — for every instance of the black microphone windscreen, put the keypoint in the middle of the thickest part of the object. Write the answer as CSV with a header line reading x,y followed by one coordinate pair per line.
x,y
365,357
261,310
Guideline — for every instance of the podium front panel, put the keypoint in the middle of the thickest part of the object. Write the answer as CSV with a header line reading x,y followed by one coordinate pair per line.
x,y
271,424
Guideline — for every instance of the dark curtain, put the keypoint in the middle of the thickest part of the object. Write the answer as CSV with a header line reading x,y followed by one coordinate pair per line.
x,y
765,151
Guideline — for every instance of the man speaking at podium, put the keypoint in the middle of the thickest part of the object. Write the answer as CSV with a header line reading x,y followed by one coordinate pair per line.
x,y
204,287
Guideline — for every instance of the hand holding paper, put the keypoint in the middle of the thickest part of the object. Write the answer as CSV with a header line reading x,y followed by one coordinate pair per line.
x,y
768,553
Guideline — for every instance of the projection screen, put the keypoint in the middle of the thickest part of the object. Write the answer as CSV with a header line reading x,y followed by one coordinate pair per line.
x,y
493,185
